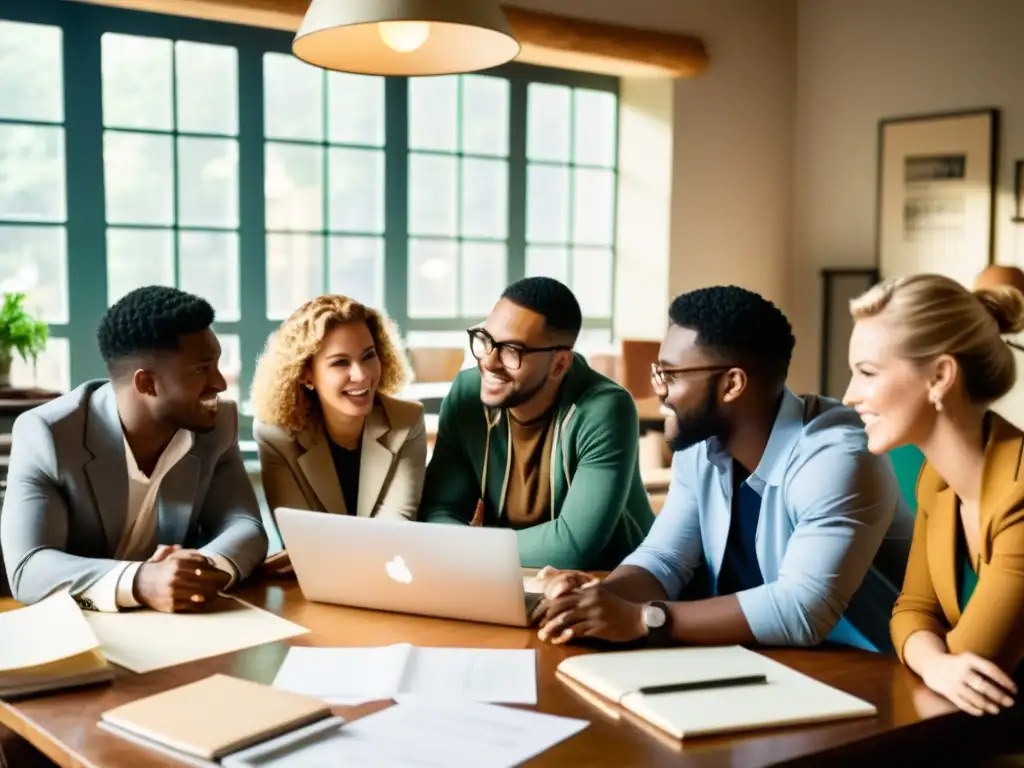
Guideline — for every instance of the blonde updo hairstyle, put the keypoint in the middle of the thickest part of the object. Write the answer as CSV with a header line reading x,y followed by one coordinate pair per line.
x,y
278,394
933,315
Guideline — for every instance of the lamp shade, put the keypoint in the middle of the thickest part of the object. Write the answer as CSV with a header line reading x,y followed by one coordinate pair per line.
x,y
405,37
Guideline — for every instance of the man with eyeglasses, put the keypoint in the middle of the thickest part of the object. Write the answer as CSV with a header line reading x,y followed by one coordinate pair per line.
x,y
779,528
535,440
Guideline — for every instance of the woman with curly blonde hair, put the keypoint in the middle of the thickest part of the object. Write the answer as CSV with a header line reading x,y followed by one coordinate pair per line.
x,y
331,435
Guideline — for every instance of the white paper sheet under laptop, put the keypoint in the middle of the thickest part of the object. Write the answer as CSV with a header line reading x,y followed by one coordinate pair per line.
x,y
787,698
145,640
431,569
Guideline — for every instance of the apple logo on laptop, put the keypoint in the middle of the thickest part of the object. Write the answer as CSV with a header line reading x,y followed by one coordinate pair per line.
x,y
397,570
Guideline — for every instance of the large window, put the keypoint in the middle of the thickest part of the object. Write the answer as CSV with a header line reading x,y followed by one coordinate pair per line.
x,y
170,174
137,148
324,184
458,195
33,200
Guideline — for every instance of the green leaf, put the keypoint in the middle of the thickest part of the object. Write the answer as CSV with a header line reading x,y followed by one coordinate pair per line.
x,y
19,331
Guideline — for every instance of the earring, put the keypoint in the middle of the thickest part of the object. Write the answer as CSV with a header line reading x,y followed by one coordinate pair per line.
x,y
937,402
309,387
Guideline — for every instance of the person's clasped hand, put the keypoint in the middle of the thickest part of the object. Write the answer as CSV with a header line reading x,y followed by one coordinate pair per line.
x,y
278,565
176,580
576,605
975,685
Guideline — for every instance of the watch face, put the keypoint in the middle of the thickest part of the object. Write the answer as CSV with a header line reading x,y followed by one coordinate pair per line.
x,y
654,617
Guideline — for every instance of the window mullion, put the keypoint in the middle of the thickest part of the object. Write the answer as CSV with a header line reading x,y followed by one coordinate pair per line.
x,y
252,257
396,201
517,179
86,217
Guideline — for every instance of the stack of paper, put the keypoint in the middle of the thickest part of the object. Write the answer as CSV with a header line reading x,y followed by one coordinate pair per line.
x,y
48,646
421,732
146,640
350,676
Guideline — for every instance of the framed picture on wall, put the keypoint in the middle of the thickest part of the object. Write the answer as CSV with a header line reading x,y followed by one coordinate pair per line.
x,y
839,287
936,193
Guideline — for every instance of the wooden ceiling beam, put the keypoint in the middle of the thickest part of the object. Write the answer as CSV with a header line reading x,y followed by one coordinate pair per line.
x,y
547,39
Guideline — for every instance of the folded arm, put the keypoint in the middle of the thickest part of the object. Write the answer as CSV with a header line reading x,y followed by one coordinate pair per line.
x,y
35,521
845,502
667,561
991,625
230,519
918,626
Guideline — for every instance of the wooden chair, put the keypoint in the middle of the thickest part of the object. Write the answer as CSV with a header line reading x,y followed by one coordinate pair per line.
x,y
436,364
635,368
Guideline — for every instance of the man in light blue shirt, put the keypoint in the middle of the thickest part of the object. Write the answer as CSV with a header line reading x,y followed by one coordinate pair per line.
x,y
779,528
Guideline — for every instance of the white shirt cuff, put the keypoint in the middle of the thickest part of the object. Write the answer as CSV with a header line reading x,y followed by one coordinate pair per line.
x,y
113,591
126,587
225,565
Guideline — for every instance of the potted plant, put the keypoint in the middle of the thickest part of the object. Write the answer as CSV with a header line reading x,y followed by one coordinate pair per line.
x,y
19,332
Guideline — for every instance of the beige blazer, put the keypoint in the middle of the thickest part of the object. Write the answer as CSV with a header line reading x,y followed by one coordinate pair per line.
x,y
298,471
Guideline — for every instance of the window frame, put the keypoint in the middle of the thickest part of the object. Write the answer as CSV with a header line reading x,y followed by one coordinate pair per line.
x,y
83,25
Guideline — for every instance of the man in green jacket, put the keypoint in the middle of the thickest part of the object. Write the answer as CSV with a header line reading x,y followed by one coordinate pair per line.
x,y
535,440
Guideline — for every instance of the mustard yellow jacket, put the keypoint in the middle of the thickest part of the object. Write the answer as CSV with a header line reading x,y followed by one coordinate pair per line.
x,y
992,626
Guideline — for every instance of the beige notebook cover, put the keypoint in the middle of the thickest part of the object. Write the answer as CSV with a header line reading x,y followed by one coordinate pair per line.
x,y
788,697
216,716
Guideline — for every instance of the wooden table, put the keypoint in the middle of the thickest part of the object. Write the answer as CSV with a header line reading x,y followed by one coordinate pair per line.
x,y
909,716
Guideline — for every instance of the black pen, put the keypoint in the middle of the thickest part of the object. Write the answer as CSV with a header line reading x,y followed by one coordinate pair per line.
x,y
702,685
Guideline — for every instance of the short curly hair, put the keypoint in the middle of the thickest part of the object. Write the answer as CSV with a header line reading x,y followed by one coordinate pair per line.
x,y
278,396
550,299
740,326
150,319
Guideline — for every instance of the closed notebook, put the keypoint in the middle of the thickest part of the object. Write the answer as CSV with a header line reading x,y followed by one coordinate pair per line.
x,y
215,716
48,646
787,698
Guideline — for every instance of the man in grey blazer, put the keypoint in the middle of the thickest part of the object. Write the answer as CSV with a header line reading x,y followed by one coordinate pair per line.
x,y
131,492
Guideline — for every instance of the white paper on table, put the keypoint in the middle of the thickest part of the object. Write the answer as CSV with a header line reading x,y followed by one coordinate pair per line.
x,y
47,631
422,732
350,676
142,641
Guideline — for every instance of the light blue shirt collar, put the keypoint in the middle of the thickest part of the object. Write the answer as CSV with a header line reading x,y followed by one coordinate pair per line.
x,y
786,431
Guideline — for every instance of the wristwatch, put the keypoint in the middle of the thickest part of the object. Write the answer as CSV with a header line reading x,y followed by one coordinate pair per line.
x,y
657,620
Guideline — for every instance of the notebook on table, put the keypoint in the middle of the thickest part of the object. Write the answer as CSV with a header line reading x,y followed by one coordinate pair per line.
x,y
206,722
48,646
763,694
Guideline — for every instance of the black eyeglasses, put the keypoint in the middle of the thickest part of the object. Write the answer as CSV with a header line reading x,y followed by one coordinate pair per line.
x,y
663,376
482,345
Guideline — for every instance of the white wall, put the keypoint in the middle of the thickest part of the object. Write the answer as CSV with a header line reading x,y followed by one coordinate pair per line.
x,y
646,130
731,161
858,62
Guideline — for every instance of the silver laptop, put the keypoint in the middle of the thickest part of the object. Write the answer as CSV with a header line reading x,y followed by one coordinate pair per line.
x,y
430,569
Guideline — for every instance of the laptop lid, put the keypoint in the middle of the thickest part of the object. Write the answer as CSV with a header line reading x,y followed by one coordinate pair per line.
x,y
430,569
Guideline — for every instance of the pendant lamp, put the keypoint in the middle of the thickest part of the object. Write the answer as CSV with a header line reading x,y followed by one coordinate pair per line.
x,y
405,37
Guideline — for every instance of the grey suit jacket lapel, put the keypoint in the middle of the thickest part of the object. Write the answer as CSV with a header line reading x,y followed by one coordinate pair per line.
x,y
107,470
317,465
177,500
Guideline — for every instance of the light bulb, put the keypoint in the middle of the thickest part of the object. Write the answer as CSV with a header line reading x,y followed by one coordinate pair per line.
x,y
404,36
